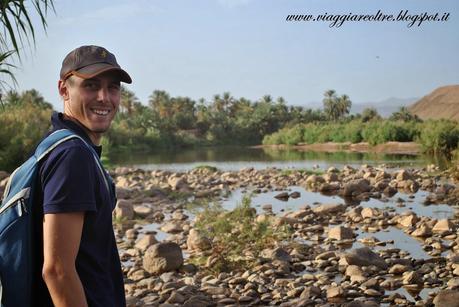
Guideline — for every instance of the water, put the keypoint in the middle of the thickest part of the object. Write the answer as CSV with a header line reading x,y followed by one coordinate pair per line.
x,y
233,158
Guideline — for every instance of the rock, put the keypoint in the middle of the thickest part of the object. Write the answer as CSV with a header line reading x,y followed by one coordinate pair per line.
x,y
282,196
328,208
276,254
331,177
356,187
123,210
177,183
399,269
335,292
295,194
422,230
196,241
443,226
267,207
314,180
145,242
447,298
408,220
326,255
340,233
172,227
355,273
403,175
142,210
364,257
310,292
162,257
369,212
198,300
412,278
453,283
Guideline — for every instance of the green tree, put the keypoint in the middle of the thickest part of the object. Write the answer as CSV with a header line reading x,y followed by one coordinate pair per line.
x,y
370,114
403,114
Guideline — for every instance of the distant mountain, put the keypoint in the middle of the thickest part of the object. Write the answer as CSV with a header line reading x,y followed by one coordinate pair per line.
x,y
385,107
441,103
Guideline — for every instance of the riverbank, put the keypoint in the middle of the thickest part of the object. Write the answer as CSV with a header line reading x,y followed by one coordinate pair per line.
x,y
406,148
339,251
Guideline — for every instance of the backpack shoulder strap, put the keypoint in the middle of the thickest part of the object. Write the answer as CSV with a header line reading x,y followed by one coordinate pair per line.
x,y
60,136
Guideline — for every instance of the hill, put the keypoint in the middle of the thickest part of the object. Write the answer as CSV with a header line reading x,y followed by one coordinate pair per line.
x,y
385,107
441,103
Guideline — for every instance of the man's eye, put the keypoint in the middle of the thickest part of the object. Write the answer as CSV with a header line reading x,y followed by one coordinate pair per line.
x,y
91,86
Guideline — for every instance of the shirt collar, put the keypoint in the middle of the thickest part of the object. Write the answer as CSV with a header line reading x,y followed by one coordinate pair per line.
x,y
59,122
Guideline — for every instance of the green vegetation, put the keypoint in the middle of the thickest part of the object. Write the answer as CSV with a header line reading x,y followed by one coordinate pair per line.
x,y
435,136
178,122
237,237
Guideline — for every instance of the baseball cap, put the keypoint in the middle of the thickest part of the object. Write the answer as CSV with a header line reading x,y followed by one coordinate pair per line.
x,y
89,61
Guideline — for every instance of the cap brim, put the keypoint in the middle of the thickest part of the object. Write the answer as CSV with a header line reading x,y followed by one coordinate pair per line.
x,y
93,70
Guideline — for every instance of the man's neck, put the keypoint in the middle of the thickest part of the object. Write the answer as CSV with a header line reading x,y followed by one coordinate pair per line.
x,y
94,137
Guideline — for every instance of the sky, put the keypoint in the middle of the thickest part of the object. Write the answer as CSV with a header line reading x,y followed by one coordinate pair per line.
x,y
204,47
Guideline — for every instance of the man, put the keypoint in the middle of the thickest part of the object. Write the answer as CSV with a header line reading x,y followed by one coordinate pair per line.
x,y
81,266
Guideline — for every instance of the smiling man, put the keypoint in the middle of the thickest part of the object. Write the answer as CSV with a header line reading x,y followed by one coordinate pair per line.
x,y
81,266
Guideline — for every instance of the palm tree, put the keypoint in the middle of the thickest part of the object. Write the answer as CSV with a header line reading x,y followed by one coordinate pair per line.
x,y
344,105
330,104
17,29
129,101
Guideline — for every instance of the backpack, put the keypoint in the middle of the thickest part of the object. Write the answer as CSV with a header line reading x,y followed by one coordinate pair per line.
x,y
16,222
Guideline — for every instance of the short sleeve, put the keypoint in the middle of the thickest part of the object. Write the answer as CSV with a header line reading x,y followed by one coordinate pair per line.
x,y
68,180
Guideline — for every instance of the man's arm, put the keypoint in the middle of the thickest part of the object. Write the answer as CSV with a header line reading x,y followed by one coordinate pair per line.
x,y
61,241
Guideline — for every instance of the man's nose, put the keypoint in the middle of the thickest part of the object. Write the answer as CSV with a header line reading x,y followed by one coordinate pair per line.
x,y
102,94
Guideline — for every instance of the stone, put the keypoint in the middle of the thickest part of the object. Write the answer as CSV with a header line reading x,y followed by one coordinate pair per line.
x,y
282,196
422,230
408,220
369,212
403,175
399,269
276,254
447,298
412,278
453,283
123,210
310,292
340,233
356,187
198,242
177,183
328,208
142,211
335,292
314,180
176,298
163,257
331,177
145,242
172,227
443,226
355,273
295,194
364,257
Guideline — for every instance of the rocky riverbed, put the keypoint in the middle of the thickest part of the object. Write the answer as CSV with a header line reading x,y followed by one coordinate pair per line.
x,y
359,237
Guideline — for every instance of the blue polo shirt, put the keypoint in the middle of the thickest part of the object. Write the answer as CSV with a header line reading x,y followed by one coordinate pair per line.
x,y
71,182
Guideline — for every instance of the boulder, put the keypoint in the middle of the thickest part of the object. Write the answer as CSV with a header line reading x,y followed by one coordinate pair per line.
x,y
364,257
328,208
331,177
369,213
340,233
282,196
422,230
403,175
443,226
412,278
356,187
276,254
334,293
198,242
145,242
123,210
408,220
172,227
355,273
447,298
162,257
177,183
142,211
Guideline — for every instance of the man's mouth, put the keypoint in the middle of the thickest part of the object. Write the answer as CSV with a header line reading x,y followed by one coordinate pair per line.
x,y
101,112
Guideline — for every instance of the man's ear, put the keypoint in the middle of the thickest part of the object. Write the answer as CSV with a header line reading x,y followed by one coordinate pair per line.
x,y
62,86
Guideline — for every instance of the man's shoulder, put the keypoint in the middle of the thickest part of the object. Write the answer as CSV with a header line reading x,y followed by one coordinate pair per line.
x,y
70,151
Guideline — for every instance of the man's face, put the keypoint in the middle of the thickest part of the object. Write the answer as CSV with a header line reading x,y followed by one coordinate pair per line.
x,y
92,102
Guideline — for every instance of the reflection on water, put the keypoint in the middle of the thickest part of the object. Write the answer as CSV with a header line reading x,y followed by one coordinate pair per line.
x,y
237,157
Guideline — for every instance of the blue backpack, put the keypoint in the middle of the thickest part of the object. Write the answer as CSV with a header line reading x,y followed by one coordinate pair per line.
x,y
16,223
